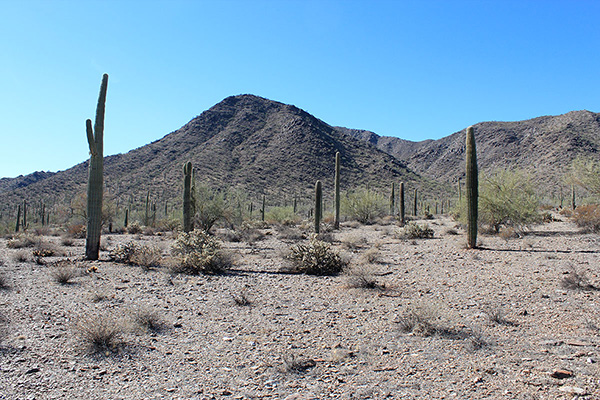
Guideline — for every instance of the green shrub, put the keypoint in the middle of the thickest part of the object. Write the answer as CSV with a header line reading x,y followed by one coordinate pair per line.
x,y
197,252
413,230
506,198
282,215
210,207
315,258
364,205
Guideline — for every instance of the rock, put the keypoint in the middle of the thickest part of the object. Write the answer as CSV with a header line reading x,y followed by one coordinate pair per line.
x,y
32,371
561,374
301,396
551,342
573,390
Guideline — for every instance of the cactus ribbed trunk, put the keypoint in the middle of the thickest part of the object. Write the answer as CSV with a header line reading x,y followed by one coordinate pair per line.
x,y
126,222
95,186
573,205
25,212
337,191
415,204
147,214
18,219
471,188
187,197
262,210
393,199
401,203
318,205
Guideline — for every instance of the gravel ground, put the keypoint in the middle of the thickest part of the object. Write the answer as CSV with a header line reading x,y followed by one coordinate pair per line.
x,y
501,323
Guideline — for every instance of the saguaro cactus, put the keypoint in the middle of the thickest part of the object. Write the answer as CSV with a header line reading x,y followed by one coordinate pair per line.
x,y
318,205
415,204
471,188
393,199
188,224
337,191
25,212
262,210
401,203
95,188
18,218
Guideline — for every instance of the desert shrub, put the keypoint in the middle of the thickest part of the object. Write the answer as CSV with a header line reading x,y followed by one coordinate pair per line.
x,y
197,252
134,228
168,225
22,241
506,198
100,333
289,233
242,297
586,173
3,281
76,231
413,230
588,217
210,207
315,258
364,205
281,215
371,255
67,241
136,254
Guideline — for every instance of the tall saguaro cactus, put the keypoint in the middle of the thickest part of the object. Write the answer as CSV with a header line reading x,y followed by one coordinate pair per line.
x,y
471,188
95,189
401,203
337,191
187,197
415,204
393,199
318,206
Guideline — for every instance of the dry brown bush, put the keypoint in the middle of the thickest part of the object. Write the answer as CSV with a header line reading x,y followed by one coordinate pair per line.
x,y
588,217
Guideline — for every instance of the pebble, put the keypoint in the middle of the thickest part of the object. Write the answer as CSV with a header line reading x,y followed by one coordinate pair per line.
x,y
561,374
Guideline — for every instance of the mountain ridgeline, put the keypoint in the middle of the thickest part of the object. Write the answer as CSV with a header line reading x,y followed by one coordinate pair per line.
x,y
244,143
261,147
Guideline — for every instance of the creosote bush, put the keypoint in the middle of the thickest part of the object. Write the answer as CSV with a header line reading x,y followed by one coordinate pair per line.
x,y
22,241
315,258
413,230
361,277
197,252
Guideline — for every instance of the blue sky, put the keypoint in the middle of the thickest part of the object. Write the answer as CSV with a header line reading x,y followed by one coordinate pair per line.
x,y
412,69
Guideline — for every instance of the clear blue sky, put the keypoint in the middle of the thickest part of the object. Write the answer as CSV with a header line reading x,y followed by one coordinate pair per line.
x,y
411,69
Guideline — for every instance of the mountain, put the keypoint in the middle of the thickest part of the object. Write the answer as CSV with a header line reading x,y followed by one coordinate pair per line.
x,y
544,146
245,142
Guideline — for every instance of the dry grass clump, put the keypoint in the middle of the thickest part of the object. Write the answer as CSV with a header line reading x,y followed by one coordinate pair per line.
x,y
371,256
100,333
289,233
20,256
315,258
63,272
67,241
23,241
292,363
413,230
361,277
197,252
136,254
3,327
576,280
354,241
242,297
148,320
422,320
3,281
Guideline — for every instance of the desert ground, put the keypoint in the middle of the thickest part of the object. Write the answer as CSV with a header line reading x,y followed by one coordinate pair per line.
x,y
518,318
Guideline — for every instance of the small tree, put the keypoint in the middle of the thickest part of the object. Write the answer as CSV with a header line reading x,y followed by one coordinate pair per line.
x,y
210,207
364,205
